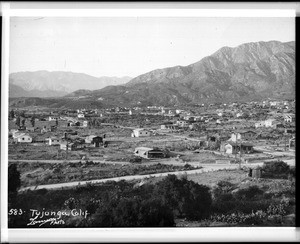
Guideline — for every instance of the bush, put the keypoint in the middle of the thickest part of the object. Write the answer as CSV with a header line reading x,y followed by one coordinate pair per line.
x,y
249,194
186,198
278,169
222,191
14,181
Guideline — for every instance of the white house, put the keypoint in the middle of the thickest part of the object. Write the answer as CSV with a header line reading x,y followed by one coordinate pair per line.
x,y
270,122
182,123
85,123
259,124
288,118
52,141
52,118
23,138
140,133
80,115
235,137
228,148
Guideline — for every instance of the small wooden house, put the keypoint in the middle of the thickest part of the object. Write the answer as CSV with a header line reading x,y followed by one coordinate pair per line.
x,y
146,152
52,141
140,133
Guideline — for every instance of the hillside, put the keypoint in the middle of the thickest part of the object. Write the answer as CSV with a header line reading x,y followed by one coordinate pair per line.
x,y
251,71
57,83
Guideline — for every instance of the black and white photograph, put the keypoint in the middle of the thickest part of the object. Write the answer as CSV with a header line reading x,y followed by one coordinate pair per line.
x,y
138,121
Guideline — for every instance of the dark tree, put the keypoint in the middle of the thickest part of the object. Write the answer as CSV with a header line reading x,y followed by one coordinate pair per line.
x,y
23,122
12,114
14,181
186,198
18,121
32,121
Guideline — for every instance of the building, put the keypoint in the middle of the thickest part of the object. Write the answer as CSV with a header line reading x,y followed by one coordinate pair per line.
x,y
85,123
169,127
146,152
259,124
140,133
30,128
95,140
236,147
23,138
235,137
51,118
71,146
289,118
52,141
270,123
80,115
182,123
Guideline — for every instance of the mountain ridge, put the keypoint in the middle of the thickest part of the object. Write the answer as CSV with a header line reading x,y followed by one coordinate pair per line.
x,y
61,82
250,71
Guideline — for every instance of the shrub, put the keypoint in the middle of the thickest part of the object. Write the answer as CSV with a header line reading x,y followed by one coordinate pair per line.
x,y
186,198
278,169
14,181
251,193
222,191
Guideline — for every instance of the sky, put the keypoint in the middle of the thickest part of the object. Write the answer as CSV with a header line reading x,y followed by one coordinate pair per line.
x,y
131,46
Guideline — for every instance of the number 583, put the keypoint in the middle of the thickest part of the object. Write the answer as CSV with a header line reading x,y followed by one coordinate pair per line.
x,y
14,211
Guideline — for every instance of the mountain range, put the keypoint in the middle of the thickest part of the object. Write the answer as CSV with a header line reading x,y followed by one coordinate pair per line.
x,y
57,83
251,71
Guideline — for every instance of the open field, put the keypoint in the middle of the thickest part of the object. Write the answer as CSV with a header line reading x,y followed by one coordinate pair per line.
x,y
44,173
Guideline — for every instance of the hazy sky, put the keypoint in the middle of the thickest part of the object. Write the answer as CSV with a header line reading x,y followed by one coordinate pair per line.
x,y
131,46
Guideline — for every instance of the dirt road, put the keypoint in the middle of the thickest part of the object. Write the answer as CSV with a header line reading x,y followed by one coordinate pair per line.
x,y
206,168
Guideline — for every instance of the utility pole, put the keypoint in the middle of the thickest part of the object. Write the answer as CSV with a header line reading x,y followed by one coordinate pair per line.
x,y
240,155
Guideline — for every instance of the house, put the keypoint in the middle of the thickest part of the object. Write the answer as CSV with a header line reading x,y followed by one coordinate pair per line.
x,y
259,124
169,127
45,129
140,133
23,138
85,123
89,139
182,123
235,136
239,147
247,134
289,118
68,145
270,122
30,128
146,152
52,141
80,115
95,140
51,118
292,143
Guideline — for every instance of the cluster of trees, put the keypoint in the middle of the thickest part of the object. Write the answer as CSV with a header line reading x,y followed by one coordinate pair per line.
x,y
130,204
118,204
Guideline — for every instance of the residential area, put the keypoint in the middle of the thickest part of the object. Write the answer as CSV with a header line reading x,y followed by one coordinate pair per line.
x,y
208,144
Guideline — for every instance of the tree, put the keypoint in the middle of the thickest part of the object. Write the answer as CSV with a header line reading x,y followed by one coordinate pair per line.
x,y
14,181
56,122
12,114
186,198
23,122
32,121
18,121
